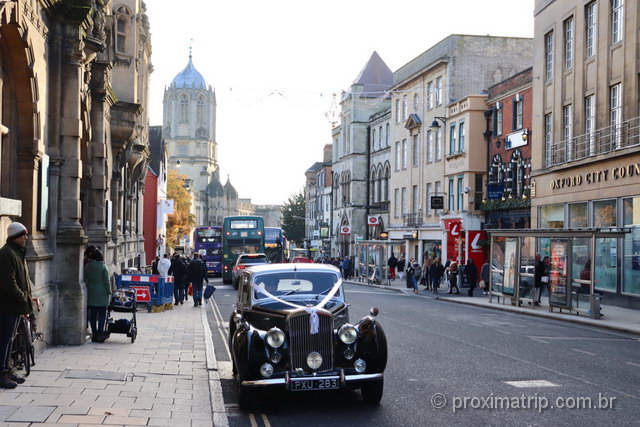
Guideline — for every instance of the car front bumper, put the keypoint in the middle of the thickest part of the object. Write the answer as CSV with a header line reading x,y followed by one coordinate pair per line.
x,y
345,380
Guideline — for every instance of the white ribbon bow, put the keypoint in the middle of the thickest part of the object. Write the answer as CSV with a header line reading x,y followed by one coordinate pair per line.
x,y
314,320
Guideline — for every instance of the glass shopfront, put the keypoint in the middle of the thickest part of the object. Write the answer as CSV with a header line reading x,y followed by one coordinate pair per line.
x,y
631,262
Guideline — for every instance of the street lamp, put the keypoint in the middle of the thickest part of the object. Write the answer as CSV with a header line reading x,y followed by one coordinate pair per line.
x,y
178,163
435,125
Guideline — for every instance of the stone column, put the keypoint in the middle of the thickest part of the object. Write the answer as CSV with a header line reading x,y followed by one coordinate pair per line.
x,y
72,313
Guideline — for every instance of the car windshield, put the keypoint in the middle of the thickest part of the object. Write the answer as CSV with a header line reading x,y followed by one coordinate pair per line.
x,y
253,260
292,282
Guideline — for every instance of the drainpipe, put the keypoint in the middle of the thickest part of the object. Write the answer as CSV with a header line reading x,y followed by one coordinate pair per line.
x,y
368,188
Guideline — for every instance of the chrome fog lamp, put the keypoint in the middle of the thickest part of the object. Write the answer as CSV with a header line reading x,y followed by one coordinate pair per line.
x,y
360,366
276,357
348,354
314,360
275,337
348,334
266,370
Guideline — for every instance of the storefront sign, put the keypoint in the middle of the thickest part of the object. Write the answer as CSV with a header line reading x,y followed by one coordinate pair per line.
x,y
345,230
476,248
595,177
495,191
372,220
454,231
437,202
517,139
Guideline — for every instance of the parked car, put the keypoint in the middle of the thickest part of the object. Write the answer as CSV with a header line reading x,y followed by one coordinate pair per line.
x,y
246,261
301,259
290,330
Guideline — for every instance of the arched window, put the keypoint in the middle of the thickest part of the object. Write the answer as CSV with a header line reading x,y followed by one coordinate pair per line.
x,y
184,108
122,18
379,185
372,186
200,112
373,140
386,135
516,168
387,177
336,190
494,170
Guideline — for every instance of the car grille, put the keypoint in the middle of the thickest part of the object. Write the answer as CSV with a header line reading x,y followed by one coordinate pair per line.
x,y
301,342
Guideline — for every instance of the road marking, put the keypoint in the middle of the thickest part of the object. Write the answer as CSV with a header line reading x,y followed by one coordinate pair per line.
x,y
538,340
531,383
583,351
252,419
502,332
633,364
265,420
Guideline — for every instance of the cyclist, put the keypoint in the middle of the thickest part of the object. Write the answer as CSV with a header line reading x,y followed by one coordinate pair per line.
x,y
15,296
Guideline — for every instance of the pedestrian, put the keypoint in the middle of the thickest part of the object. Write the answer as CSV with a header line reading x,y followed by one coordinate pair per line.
x,y
426,268
484,275
453,276
544,279
346,267
415,276
197,275
96,278
401,264
154,266
409,274
164,265
392,263
15,296
87,254
179,271
472,275
435,271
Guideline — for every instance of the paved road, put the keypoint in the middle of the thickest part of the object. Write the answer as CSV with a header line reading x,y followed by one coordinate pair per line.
x,y
463,356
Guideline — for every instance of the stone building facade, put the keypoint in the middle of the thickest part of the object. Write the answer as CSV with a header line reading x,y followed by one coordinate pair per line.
x,y
74,143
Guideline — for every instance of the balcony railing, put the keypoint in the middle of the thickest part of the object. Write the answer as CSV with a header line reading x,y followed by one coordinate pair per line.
x,y
601,141
412,219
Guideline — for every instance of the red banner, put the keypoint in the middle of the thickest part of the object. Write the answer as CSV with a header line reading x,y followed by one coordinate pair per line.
x,y
142,293
476,247
454,232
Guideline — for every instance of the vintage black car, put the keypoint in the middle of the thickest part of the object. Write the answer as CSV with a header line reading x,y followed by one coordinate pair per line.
x,y
290,329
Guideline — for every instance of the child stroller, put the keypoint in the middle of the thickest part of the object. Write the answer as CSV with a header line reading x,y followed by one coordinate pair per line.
x,y
123,300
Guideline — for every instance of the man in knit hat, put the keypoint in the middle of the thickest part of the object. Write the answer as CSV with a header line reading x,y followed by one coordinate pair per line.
x,y
15,296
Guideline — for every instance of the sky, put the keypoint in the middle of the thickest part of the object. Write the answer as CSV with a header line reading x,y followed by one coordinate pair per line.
x,y
275,66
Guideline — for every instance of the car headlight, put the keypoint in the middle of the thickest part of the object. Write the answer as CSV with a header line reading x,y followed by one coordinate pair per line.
x,y
348,334
314,360
266,370
275,337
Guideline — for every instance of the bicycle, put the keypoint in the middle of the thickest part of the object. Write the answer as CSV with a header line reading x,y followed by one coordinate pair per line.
x,y
23,349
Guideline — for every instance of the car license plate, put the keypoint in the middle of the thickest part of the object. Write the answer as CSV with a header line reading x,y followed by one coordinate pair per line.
x,y
304,384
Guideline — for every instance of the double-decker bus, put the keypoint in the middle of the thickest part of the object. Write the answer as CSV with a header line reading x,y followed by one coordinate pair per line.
x,y
274,244
240,235
208,243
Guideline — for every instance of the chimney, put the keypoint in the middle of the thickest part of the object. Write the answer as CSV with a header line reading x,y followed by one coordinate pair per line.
x,y
327,153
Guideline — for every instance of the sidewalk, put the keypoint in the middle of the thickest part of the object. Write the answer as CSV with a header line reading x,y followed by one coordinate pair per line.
x,y
167,377
614,318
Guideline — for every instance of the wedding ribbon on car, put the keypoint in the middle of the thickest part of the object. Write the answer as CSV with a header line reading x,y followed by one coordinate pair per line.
x,y
314,320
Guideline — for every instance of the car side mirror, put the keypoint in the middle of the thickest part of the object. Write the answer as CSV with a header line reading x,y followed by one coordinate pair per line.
x,y
374,311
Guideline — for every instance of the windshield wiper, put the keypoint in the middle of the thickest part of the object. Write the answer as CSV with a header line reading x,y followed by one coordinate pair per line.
x,y
326,291
290,292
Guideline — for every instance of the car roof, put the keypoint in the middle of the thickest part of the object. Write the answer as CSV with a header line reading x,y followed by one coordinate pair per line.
x,y
272,268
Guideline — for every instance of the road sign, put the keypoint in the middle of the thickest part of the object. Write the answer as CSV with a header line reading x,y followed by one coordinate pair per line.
x,y
437,202
142,293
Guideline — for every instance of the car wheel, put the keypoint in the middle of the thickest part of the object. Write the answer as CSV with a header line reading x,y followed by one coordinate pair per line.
x,y
372,391
245,395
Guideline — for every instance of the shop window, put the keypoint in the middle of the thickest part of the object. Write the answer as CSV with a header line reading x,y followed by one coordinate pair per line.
x,y
631,260
606,263
551,216
578,215
604,213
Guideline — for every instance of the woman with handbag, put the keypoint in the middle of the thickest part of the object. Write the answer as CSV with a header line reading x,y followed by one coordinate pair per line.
x,y
453,277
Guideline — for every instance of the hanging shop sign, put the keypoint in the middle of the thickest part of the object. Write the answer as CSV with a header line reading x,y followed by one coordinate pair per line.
x,y
373,220
345,230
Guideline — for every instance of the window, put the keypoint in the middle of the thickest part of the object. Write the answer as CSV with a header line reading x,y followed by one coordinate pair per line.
x,y
200,111
461,135
497,125
429,95
452,199
591,22
396,202
183,149
479,191
452,139
397,156
439,91
438,190
616,114
385,186
184,108
416,101
567,131
548,55
518,112
121,35
548,138
386,135
380,137
589,124
373,140
438,144
429,146
404,200
415,199
578,215
617,20
428,201
404,154
416,149
631,265
405,108
460,193
568,43
397,110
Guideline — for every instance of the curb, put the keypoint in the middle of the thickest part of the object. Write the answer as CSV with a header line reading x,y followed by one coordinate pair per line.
x,y
219,411
576,320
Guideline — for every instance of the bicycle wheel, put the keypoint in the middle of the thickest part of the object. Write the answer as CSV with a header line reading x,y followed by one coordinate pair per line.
x,y
26,360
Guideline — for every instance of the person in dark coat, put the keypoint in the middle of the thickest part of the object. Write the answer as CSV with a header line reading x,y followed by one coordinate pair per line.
x,y
15,296
154,266
435,271
409,275
401,264
197,275
392,263
96,278
472,276
484,275
179,272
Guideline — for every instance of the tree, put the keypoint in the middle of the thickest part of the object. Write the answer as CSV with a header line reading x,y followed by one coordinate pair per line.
x,y
180,222
293,214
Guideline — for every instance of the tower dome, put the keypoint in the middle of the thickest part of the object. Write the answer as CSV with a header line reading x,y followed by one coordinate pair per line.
x,y
189,78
